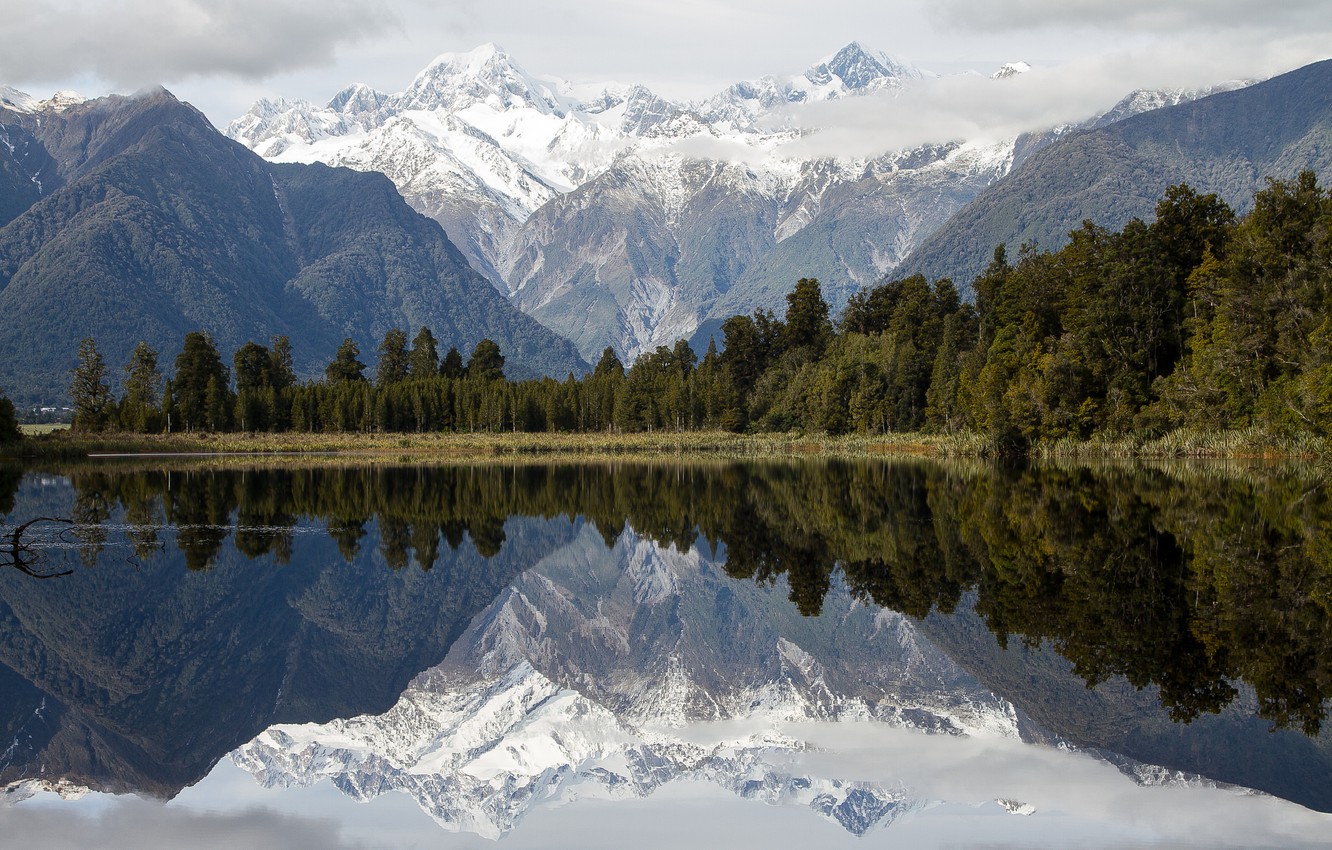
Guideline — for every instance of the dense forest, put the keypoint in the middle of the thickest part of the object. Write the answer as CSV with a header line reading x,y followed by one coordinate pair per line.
x,y
1199,319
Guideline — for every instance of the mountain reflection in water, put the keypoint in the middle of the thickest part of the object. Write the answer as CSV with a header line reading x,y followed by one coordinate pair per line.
x,y
1165,616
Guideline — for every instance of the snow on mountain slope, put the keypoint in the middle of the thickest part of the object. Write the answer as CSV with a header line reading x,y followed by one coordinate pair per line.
x,y
18,101
619,217
852,71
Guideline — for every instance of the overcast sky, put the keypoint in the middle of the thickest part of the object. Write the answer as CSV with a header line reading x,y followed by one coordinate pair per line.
x,y
221,55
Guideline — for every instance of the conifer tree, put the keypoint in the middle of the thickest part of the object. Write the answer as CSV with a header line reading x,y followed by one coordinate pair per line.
x,y
9,429
424,360
345,367
394,360
452,365
807,323
201,385
139,408
280,372
486,363
253,366
91,395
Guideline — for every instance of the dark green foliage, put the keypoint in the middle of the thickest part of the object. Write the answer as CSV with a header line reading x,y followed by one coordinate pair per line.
x,y
345,367
280,372
452,365
201,386
609,364
423,361
92,397
394,358
9,429
486,363
807,323
252,365
141,405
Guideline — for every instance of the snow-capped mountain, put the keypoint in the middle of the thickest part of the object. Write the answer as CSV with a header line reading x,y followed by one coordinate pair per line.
x,y
17,101
619,217
1147,100
1010,69
520,169
611,674
852,71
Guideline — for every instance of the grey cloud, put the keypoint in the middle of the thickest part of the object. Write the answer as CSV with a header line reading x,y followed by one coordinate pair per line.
x,y
140,42
1166,17
976,108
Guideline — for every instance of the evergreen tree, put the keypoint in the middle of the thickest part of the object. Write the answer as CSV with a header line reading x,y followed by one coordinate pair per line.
x,y
345,368
139,408
424,360
394,360
170,420
609,364
91,395
807,323
452,365
281,375
9,429
253,366
201,385
486,363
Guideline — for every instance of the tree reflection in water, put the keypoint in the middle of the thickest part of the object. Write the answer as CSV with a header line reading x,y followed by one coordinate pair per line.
x,y
1186,579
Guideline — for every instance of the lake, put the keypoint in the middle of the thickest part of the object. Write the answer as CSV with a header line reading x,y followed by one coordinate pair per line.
x,y
906,653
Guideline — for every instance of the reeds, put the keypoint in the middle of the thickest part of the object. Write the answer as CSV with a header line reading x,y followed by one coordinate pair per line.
x,y
1246,444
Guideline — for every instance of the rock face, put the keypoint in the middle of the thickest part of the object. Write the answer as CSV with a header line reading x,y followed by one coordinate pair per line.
x,y
610,675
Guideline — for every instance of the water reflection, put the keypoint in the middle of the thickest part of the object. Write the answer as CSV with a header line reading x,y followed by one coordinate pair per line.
x,y
1202,590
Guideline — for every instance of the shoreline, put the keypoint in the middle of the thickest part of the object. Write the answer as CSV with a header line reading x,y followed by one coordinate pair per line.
x,y
1237,445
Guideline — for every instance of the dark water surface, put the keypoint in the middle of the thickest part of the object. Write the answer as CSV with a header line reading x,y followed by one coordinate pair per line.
x,y
492,639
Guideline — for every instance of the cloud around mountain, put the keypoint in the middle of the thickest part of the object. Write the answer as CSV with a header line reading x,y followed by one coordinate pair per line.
x,y
221,57
1154,16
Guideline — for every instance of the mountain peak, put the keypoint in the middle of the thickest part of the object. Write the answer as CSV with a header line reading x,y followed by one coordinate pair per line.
x,y
357,98
1010,69
475,60
858,68
486,74
18,101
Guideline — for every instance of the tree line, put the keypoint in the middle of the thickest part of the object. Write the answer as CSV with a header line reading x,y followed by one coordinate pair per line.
x,y
1200,319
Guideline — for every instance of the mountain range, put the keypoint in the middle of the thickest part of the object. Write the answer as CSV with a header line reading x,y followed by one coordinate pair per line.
x,y
619,217
1228,143
132,218
609,214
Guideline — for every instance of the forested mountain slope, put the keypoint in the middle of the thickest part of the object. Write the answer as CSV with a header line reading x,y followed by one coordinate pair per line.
x,y
1227,144
142,222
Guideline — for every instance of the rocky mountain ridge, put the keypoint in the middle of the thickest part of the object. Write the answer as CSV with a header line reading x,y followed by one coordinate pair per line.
x,y
617,216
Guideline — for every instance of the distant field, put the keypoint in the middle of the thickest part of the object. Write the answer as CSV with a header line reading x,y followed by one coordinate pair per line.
x,y
34,430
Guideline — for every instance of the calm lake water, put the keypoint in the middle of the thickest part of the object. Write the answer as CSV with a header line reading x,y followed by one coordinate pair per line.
x,y
905,654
